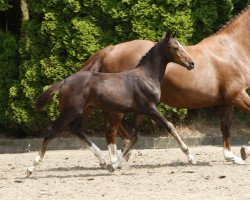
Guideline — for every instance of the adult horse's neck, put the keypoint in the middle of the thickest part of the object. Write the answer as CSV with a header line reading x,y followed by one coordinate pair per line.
x,y
233,39
237,30
153,64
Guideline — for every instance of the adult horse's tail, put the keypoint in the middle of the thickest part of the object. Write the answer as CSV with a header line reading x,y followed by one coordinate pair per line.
x,y
47,95
94,63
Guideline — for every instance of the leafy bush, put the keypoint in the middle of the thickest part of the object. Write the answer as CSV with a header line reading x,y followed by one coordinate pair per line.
x,y
61,35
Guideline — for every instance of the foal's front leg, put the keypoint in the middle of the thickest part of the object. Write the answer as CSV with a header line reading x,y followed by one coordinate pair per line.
x,y
77,128
156,115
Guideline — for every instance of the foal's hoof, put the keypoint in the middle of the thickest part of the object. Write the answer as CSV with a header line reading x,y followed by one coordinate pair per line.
x,y
110,168
103,165
243,152
28,173
191,160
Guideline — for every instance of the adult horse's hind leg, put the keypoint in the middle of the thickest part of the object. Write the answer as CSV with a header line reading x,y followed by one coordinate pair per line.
x,y
56,127
77,128
156,115
226,114
121,161
242,101
112,126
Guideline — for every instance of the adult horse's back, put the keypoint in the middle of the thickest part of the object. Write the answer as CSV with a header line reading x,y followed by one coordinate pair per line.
x,y
221,76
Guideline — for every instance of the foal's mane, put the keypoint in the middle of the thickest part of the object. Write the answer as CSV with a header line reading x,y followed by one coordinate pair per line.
x,y
231,22
147,55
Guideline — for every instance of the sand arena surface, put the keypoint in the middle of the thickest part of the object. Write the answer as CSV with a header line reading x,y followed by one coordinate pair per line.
x,y
154,174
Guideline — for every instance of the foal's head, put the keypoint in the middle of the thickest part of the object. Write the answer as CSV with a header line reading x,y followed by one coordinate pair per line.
x,y
177,52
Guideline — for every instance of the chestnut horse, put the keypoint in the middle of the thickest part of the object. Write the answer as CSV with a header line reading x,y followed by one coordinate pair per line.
x,y
221,76
137,90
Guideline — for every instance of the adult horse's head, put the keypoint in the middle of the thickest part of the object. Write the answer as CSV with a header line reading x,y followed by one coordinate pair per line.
x,y
177,52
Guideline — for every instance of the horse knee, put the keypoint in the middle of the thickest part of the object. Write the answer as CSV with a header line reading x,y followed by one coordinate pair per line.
x,y
51,133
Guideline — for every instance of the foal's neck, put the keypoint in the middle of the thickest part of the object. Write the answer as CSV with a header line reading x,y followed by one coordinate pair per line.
x,y
154,63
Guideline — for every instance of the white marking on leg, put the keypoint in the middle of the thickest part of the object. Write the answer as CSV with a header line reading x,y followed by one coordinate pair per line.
x,y
230,156
113,153
98,153
36,162
185,149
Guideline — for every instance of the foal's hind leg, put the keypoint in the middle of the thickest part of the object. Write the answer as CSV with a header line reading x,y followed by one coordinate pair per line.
x,y
56,127
77,128
226,114
156,115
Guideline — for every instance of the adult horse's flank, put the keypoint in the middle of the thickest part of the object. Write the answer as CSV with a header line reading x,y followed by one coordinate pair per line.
x,y
221,75
136,90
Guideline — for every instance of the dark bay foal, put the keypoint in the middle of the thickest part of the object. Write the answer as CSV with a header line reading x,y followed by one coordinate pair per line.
x,y
136,91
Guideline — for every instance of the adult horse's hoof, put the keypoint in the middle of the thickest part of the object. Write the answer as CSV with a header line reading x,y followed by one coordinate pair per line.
x,y
245,152
110,168
239,161
124,165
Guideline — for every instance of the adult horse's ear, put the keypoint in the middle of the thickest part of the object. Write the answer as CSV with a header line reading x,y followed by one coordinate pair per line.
x,y
168,35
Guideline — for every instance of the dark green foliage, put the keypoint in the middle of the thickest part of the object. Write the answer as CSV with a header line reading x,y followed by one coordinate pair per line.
x,y
62,34
4,5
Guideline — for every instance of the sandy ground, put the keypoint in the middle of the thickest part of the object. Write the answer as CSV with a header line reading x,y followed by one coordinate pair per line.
x,y
154,174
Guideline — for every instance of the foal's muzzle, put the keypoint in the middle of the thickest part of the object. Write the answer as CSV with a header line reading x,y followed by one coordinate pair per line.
x,y
190,65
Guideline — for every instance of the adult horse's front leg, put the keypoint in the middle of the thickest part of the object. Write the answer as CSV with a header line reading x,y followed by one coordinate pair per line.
x,y
156,115
226,114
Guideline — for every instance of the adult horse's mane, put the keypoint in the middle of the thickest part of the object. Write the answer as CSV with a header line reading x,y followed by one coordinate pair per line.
x,y
231,22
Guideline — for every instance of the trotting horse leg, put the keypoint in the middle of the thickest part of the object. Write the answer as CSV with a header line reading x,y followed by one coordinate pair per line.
x,y
122,132
226,114
121,161
56,127
77,128
114,121
242,101
155,114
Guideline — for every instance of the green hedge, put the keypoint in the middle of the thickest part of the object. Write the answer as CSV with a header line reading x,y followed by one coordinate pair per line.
x,y
62,34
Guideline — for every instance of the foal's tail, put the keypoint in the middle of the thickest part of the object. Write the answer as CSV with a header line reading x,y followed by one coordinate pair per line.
x,y
47,95
94,63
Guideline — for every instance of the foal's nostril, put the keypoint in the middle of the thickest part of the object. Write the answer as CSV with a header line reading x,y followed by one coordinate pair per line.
x,y
192,63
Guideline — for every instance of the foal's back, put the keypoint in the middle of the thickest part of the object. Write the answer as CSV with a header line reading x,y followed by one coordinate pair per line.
x,y
110,92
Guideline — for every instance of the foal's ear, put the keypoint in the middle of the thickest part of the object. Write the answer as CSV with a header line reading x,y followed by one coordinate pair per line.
x,y
174,34
168,35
